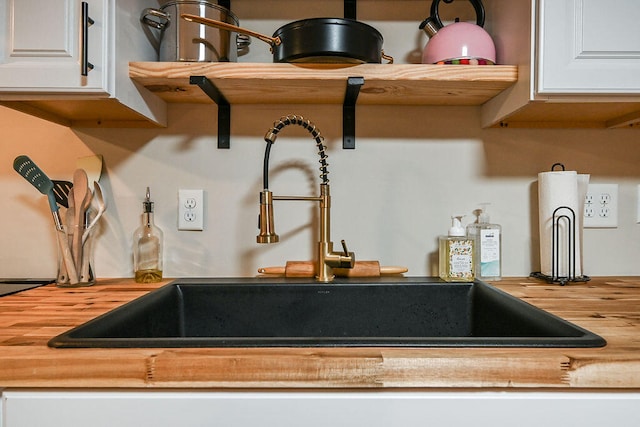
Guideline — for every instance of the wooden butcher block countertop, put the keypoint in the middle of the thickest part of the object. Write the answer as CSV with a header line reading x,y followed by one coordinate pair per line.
x,y
609,307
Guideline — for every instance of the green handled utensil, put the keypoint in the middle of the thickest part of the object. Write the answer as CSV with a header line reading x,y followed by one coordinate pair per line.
x,y
32,173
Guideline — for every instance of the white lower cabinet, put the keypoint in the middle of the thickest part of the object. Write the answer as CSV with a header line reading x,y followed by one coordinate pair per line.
x,y
29,408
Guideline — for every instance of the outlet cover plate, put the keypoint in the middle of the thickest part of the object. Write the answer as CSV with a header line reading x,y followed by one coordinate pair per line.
x,y
601,206
191,210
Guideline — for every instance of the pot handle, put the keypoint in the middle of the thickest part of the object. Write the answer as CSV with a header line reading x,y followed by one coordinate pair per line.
x,y
243,41
386,57
274,41
159,24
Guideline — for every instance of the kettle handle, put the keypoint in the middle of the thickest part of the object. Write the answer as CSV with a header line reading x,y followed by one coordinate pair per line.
x,y
477,5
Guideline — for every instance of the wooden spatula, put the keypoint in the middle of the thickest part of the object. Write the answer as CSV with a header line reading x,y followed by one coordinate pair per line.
x,y
82,198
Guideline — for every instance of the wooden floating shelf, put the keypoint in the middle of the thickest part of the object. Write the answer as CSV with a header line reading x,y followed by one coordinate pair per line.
x,y
384,84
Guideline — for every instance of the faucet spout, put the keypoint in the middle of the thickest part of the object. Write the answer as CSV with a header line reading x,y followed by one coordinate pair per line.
x,y
265,219
328,259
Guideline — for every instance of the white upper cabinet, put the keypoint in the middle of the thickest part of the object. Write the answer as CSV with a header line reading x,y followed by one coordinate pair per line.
x,y
44,45
67,61
589,46
578,63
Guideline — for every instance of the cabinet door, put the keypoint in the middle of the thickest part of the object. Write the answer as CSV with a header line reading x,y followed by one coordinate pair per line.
x,y
42,44
155,408
588,47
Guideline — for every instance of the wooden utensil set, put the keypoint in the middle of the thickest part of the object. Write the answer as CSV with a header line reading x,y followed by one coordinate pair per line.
x,y
74,231
79,200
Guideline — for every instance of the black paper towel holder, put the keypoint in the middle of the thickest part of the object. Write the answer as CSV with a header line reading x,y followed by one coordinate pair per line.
x,y
562,213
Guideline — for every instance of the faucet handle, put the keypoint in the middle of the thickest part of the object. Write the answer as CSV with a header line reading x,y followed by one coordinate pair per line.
x,y
344,248
348,259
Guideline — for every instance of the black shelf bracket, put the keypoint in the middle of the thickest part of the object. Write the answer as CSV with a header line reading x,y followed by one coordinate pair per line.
x,y
350,10
224,109
349,112
349,7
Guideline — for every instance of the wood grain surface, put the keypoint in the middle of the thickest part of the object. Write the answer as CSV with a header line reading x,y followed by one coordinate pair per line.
x,y
257,83
609,307
309,268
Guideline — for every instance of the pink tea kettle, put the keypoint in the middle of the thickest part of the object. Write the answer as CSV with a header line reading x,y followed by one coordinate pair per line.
x,y
457,43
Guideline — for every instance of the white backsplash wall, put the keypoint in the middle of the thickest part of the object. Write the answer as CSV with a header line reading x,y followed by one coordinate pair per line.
x,y
392,196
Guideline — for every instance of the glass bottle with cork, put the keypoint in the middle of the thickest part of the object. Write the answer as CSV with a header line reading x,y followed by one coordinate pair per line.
x,y
147,246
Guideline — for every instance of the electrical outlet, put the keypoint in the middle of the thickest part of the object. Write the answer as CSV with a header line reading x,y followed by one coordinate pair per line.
x,y
191,210
601,206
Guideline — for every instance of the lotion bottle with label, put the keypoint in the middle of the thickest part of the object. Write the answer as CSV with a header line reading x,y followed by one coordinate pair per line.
x,y
456,253
488,238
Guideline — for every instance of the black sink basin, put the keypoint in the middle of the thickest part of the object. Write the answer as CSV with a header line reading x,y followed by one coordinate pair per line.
x,y
407,312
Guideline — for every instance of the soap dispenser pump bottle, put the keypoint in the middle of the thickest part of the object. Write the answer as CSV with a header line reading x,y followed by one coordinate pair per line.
x,y
147,246
456,253
488,238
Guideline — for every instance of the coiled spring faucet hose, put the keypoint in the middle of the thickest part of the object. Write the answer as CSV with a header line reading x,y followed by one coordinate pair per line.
x,y
272,134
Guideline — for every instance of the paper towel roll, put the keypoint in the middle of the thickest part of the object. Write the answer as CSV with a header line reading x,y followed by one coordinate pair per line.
x,y
561,189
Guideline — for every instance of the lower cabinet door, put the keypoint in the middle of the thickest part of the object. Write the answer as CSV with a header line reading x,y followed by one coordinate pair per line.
x,y
82,408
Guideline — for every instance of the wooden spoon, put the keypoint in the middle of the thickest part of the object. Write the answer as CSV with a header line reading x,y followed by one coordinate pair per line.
x,y
82,197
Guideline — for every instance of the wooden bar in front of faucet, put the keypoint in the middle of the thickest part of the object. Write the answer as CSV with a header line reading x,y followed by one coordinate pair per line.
x,y
308,269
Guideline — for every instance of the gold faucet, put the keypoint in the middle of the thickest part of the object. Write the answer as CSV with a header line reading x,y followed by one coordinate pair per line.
x,y
327,258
